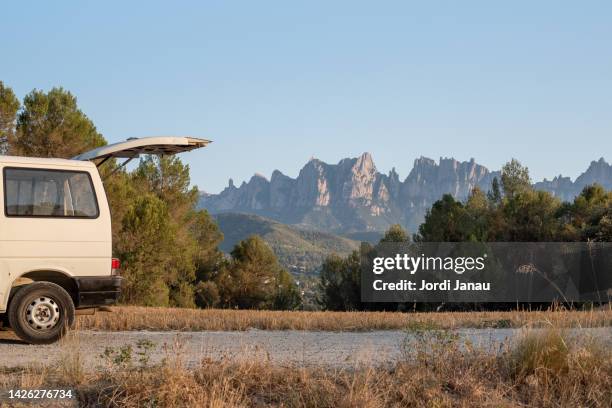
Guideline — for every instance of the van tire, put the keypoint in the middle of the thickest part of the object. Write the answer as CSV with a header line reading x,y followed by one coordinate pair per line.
x,y
41,312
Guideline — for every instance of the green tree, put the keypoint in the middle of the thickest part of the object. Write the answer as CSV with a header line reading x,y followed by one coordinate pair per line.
x,y
395,233
494,195
479,214
9,105
51,125
195,238
254,279
515,178
120,193
339,286
340,283
287,296
589,216
207,236
531,217
447,220
145,248
207,294
168,178
605,228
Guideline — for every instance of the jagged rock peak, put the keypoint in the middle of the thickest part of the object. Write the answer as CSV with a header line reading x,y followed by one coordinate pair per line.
x,y
258,176
599,164
365,163
313,161
424,162
277,174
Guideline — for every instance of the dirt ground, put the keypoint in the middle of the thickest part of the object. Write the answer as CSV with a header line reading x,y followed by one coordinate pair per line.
x,y
287,347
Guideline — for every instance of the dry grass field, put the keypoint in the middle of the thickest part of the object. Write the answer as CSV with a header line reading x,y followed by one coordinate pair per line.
x,y
145,318
543,370
436,368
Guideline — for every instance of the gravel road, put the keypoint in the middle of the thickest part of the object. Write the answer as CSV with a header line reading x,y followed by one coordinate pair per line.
x,y
337,349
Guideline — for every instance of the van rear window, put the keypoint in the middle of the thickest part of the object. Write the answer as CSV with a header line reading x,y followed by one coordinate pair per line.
x,y
48,193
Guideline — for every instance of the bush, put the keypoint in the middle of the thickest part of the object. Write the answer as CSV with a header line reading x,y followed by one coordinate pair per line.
x,y
207,294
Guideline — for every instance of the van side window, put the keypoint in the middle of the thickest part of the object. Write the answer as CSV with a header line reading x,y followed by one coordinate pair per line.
x,y
48,193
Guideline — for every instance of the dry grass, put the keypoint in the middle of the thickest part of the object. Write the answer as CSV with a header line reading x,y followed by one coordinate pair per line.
x,y
144,318
550,370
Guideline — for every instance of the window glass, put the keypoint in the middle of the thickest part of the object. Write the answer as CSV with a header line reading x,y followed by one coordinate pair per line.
x,y
48,193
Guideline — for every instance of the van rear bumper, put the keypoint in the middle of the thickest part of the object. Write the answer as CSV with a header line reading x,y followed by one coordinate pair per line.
x,y
95,291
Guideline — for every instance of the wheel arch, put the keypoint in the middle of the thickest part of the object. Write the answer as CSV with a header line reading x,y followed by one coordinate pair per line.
x,y
58,277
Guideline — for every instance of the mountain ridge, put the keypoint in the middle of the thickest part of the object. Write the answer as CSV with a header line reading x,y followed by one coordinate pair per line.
x,y
353,196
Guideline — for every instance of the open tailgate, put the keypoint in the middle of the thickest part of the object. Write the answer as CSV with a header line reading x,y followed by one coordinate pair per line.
x,y
132,148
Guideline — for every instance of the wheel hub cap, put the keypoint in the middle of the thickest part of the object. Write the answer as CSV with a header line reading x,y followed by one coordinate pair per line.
x,y
43,313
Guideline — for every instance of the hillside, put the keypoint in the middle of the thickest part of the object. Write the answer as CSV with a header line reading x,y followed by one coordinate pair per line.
x,y
299,250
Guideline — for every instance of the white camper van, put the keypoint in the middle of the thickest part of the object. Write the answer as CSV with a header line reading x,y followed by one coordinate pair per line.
x,y
55,236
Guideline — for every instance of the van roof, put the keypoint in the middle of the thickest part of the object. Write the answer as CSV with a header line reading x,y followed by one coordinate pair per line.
x,y
45,161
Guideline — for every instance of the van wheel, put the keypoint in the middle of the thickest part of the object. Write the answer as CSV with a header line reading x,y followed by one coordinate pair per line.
x,y
41,312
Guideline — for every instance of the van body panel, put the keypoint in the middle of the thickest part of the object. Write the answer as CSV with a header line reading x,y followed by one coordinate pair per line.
x,y
72,246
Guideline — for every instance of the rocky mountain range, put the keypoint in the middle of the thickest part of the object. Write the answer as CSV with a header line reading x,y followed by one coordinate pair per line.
x,y
563,187
352,196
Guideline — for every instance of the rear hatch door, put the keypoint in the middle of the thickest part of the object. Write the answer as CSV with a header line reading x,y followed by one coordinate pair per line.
x,y
134,147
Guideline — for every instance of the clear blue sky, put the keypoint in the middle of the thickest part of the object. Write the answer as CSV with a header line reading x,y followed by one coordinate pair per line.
x,y
276,82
